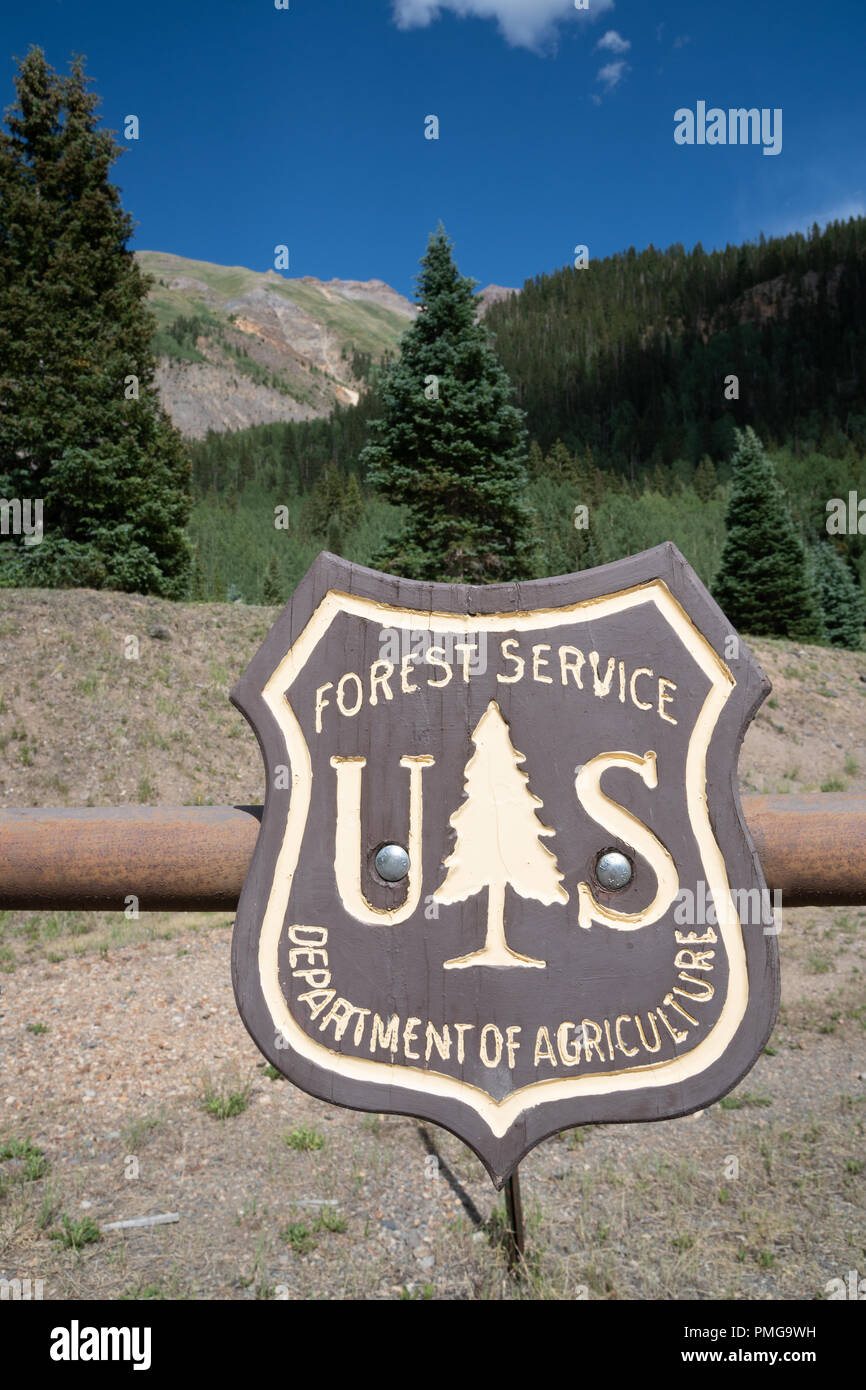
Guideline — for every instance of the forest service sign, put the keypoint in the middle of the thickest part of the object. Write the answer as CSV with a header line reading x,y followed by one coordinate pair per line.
x,y
505,737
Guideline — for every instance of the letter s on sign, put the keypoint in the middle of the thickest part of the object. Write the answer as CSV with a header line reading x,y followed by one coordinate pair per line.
x,y
614,818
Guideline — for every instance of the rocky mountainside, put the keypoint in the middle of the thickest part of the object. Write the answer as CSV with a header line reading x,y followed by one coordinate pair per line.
x,y
492,294
239,347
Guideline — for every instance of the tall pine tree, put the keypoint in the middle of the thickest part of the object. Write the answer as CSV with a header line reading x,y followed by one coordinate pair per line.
x,y
842,600
451,445
80,423
763,584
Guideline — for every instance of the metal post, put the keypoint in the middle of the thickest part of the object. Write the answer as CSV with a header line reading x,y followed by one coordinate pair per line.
x,y
515,1240
812,848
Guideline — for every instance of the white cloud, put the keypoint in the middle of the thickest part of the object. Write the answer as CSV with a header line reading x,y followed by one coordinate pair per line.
x,y
523,23
614,42
612,74
784,222
854,207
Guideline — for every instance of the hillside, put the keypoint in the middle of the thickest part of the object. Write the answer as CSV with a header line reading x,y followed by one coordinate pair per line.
x,y
161,729
238,347
631,356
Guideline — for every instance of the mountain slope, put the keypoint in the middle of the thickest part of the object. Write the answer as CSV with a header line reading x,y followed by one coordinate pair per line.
x,y
239,347
632,356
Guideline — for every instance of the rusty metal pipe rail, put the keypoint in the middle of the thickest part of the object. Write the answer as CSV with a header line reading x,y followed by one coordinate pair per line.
x,y
195,858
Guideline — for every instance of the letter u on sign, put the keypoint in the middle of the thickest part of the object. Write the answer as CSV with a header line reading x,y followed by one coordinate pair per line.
x,y
349,854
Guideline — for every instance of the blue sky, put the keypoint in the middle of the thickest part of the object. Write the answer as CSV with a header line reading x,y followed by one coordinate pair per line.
x,y
305,126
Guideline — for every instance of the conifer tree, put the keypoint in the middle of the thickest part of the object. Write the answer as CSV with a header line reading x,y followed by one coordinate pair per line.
x,y
842,600
272,589
560,463
198,582
762,584
334,535
327,501
219,589
352,509
80,423
705,478
451,445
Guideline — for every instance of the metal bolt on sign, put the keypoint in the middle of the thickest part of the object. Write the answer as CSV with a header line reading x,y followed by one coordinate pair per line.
x,y
392,863
613,870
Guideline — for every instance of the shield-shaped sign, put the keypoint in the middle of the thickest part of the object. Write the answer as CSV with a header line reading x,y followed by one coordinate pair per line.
x,y
503,881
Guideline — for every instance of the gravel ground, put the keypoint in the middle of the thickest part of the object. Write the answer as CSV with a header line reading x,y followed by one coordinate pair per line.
x,y
761,1201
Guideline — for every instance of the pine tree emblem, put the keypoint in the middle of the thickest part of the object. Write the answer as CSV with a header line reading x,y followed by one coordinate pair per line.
x,y
498,842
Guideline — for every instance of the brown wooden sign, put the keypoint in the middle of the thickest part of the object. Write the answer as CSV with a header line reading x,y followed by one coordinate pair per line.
x,y
503,882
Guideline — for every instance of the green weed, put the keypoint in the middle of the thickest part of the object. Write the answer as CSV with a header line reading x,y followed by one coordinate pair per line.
x,y
818,964
744,1099
304,1139
73,1235
299,1237
330,1219
223,1103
